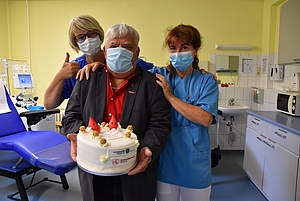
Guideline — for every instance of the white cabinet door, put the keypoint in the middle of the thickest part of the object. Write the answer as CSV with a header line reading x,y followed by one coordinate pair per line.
x,y
254,156
289,40
280,175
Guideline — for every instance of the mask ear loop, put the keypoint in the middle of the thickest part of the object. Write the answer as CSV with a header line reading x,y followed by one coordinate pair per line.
x,y
136,59
134,63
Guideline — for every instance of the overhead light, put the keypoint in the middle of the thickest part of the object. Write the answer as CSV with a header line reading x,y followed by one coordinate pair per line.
x,y
234,47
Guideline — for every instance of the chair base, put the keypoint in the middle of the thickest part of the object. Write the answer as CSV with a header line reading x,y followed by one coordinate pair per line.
x,y
16,170
22,189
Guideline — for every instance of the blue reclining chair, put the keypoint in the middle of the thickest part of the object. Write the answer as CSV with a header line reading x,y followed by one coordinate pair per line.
x,y
25,152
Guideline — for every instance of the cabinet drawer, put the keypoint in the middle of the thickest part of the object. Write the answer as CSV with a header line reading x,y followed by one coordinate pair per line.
x,y
285,138
257,124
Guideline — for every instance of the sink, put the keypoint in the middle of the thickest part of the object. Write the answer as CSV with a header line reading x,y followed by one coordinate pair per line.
x,y
233,110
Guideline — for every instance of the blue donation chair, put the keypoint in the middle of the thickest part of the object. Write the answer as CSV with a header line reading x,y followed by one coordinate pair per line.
x,y
25,152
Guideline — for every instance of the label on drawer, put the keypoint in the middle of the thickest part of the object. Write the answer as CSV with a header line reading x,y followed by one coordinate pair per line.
x,y
284,138
257,124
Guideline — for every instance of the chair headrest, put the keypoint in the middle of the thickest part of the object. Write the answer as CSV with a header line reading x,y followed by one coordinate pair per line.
x,y
10,122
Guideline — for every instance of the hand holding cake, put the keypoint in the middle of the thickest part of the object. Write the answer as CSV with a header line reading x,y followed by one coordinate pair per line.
x,y
144,158
73,151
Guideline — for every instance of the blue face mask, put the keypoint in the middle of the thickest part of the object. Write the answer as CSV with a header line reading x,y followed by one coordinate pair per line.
x,y
119,59
181,60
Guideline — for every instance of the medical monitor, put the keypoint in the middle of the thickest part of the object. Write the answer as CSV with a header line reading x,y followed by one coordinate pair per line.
x,y
23,80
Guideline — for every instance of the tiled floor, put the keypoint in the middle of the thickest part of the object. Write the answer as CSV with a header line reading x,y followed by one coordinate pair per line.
x,y
229,184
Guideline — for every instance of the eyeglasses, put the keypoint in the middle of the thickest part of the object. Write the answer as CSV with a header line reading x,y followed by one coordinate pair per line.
x,y
81,37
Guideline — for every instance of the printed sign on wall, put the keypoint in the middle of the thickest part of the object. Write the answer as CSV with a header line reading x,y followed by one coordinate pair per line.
x,y
247,65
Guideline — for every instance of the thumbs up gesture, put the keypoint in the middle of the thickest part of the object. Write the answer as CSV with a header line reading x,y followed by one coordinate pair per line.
x,y
69,69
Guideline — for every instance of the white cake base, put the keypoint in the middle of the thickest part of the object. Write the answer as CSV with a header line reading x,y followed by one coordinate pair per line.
x,y
117,157
96,170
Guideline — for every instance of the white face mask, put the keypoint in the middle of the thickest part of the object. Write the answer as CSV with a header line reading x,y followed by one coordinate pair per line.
x,y
91,46
119,59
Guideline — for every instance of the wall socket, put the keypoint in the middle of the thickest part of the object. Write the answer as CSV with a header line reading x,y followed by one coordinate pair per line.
x,y
231,135
258,71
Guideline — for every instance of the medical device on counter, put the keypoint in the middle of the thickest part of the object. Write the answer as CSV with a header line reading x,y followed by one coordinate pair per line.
x,y
25,82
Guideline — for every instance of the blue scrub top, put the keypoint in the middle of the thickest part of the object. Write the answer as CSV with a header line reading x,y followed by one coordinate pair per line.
x,y
70,83
144,64
185,160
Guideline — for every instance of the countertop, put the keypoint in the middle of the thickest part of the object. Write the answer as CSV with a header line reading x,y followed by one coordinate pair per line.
x,y
285,121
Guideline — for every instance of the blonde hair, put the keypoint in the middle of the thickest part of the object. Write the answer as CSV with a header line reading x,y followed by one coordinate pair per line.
x,y
83,23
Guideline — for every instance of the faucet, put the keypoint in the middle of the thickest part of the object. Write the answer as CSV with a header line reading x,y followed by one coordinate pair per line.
x,y
231,102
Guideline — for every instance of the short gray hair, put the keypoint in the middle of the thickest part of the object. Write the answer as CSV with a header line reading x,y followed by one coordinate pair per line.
x,y
122,30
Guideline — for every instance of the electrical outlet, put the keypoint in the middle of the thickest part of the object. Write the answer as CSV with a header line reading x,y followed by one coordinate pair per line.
x,y
231,135
258,71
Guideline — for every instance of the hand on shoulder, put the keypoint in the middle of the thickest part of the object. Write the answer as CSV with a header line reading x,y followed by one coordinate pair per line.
x,y
203,71
87,69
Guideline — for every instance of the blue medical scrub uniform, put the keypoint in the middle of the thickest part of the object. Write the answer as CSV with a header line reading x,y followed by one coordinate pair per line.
x,y
185,160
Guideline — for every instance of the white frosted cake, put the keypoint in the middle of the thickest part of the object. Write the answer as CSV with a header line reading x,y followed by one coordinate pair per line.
x,y
108,152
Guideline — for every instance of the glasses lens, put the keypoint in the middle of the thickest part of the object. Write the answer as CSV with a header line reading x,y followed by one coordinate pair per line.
x,y
81,37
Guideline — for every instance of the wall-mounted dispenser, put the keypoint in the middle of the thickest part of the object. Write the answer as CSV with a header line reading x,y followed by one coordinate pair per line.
x,y
258,95
277,72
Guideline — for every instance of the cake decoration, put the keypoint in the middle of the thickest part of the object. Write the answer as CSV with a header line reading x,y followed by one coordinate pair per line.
x,y
95,134
82,129
103,158
113,123
130,128
103,142
93,124
127,135
103,124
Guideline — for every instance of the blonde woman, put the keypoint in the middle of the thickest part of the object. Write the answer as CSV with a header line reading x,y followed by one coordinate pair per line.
x,y
85,35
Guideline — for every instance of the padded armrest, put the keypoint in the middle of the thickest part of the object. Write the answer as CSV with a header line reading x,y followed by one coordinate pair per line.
x,y
34,116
